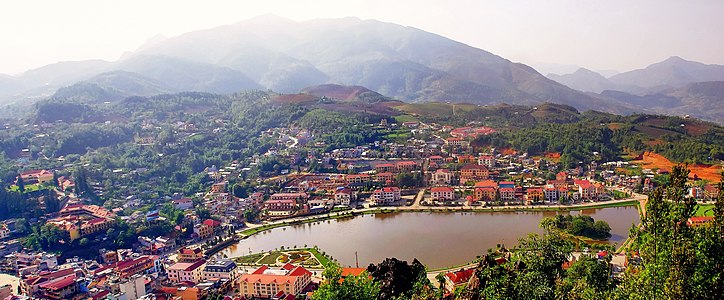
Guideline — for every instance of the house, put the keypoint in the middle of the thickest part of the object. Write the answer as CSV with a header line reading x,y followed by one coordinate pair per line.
x,y
358,179
385,167
344,196
550,193
218,187
186,271
534,194
473,173
586,189
456,142
507,194
437,159
385,178
487,160
386,195
190,254
266,282
203,231
711,192
223,269
133,266
441,177
4,232
297,197
486,191
183,203
458,278
37,176
406,166
280,208
466,159
698,221
214,224
60,288
442,193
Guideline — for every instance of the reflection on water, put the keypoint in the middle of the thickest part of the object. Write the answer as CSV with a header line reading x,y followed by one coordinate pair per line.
x,y
436,239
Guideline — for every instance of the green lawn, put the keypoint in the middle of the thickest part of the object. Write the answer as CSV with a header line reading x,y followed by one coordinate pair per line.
x,y
249,259
405,118
271,258
28,188
704,210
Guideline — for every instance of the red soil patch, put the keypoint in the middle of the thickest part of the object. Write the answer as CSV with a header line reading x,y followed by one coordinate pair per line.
x,y
508,151
614,126
655,161
553,155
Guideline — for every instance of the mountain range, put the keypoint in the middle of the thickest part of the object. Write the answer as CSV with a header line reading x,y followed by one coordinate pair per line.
x,y
285,56
673,86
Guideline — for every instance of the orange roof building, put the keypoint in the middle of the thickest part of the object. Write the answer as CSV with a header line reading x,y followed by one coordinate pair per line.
x,y
266,282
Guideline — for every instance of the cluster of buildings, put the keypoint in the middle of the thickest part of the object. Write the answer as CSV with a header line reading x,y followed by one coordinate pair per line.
x,y
125,274
80,220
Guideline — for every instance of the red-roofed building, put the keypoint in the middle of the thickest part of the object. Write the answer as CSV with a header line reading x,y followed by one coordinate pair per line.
x,y
60,288
406,166
437,159
586,189
266,282
486,191
534,194
458,278
212,223
358,178
385,178
385,167
473,173
698,221
442,193
466,159
190,254
386,195
183,271
37,176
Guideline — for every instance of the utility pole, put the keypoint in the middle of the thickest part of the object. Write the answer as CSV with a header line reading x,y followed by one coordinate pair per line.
x,y
356,259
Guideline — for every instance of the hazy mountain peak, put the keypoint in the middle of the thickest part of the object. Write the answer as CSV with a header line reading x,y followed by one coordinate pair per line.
x,y
672,72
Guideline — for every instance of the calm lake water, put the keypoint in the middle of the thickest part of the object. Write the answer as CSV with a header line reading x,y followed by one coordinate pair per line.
x,y
436,239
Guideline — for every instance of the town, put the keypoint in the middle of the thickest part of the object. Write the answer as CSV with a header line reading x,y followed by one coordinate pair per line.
x,y
433,167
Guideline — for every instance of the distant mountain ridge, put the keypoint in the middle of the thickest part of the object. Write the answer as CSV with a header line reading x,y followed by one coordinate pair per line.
x,y
673,86
285,56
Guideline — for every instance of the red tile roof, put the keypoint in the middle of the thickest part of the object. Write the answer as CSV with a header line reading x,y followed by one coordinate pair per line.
x,y
461,276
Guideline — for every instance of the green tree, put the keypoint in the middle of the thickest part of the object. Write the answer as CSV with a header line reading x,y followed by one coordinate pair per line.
x,y
335,287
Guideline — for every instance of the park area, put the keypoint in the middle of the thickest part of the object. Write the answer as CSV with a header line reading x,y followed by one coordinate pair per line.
x,y
307,257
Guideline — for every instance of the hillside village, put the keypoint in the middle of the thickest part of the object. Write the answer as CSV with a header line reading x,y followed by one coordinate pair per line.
x,y
179,256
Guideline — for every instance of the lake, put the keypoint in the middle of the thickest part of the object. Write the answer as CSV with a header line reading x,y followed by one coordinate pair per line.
x,y
436,239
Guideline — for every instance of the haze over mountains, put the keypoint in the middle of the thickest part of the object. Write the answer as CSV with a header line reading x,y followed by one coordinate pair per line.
x,y
400,62
673,86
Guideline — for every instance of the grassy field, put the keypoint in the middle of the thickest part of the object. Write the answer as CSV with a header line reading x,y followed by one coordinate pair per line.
x,y
704,210
405,118
28,188
249,259
271,258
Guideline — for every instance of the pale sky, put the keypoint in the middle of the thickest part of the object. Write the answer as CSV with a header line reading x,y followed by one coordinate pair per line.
x,y
610,34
